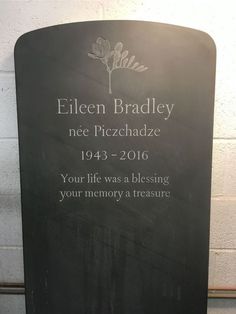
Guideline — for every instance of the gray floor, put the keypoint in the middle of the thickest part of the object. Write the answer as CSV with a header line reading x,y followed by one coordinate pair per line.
x,y
15,304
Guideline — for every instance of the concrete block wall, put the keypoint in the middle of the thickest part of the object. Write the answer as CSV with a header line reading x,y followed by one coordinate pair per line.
x,y
215,17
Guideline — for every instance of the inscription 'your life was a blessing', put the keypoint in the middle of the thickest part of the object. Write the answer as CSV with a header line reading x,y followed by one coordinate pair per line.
x,y
72,106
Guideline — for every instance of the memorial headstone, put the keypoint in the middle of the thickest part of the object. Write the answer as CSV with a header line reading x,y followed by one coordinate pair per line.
x,y
115,138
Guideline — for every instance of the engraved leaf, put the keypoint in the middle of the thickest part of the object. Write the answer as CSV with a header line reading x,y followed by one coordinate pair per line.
x,y
125,62
141,68
117,56
107,48
123,55
91,55
130,61
135,65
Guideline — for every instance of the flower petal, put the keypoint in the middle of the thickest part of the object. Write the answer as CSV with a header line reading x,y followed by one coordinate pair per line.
x,y
118,47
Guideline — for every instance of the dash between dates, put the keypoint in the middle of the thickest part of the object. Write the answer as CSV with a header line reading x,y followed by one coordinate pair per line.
x,y
121,155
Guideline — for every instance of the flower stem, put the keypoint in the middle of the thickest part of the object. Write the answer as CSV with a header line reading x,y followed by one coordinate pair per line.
x,y
109,78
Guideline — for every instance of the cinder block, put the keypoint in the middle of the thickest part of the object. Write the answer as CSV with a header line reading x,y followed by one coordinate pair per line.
x,y
223,224
224,168
18,17
8,119
225,109
211,273
121,9
219,306
10,221
9,167
11,264
222,269
165,12
12,304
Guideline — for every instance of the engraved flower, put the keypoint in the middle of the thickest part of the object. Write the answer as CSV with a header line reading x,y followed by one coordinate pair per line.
x,y
114,59
101,49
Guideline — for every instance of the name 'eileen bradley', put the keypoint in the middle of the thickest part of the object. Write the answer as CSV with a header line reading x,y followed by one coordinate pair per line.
x,y
72,106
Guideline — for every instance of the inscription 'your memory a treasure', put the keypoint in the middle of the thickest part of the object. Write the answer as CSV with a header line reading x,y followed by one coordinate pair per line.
x,y
150,106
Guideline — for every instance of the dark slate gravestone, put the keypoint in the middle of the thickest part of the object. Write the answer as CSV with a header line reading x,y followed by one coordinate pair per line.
x,y
115,132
